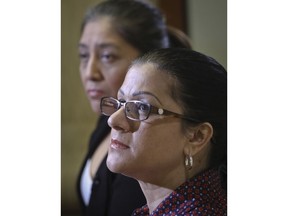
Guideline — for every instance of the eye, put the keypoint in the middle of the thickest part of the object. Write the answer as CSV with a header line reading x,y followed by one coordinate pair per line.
x,y
107,58
142,107
83,55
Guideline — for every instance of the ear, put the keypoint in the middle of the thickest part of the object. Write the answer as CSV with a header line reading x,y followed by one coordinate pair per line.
x,y
198,138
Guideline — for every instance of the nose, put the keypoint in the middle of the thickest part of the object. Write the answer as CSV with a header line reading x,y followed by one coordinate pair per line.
x,y
118,121
93,70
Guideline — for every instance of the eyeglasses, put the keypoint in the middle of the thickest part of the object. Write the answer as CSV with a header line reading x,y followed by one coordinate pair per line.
x,y
136,110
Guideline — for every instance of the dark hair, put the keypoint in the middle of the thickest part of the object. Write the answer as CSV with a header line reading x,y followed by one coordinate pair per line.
x,y
200,86
178,39
139,23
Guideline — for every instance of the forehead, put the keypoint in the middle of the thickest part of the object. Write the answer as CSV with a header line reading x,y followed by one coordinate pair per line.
x,y
145,77
100,31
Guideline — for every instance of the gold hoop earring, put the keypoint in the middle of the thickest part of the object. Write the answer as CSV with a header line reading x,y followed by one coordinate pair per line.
x,y
188,162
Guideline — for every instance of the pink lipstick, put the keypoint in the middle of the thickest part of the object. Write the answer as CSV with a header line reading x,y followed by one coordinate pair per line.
x,y
95,94
115,144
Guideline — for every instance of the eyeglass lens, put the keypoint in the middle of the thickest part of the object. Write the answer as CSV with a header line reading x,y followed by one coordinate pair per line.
x,y
135,110
109,106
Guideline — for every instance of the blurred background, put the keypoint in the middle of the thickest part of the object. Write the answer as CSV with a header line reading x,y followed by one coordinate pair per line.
x,y
205,22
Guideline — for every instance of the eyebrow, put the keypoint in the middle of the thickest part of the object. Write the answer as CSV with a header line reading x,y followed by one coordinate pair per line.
x,y
142,93
101,45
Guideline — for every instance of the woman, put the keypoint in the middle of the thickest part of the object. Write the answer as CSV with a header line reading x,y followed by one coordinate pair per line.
x,y
113,33
169,132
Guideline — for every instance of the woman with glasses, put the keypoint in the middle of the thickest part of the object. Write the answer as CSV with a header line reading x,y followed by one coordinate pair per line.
x,y
169,128
113,33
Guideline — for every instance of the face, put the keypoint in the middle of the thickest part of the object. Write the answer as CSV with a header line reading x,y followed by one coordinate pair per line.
x,y
149,150
104,60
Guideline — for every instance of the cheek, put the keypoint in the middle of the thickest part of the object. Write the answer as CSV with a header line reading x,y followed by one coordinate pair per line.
x,y
81,71
161,139
114,81
156,151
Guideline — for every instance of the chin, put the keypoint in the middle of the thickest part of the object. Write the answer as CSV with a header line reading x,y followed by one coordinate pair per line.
x,y
121,168
112,166
95,106
115,164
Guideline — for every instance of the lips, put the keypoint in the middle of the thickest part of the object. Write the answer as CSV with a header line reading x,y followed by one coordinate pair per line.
x,y
95,94
115,144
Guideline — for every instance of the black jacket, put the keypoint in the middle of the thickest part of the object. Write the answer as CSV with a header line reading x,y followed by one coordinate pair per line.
x,y
112,194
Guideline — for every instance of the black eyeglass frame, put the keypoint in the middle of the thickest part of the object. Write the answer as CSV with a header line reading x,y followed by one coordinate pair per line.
x,y
152,109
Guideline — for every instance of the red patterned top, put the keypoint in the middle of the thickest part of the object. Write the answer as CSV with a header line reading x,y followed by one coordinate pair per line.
x,y
201,195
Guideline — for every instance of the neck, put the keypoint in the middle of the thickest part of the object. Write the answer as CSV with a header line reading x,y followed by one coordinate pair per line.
x,y
154,194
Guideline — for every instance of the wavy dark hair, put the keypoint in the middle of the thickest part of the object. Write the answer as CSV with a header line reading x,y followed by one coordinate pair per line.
x,y
139,23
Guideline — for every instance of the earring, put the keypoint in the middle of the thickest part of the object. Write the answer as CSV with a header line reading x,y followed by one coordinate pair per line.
x,y
188,162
